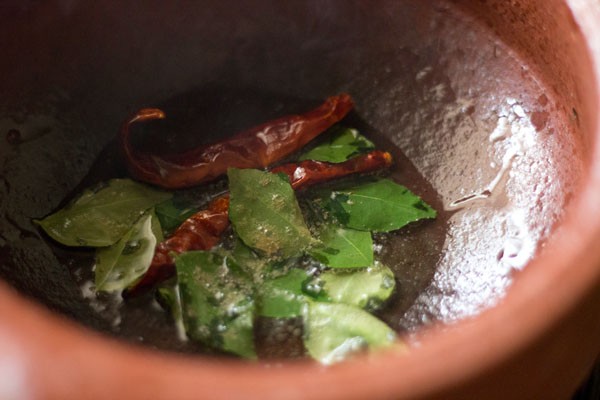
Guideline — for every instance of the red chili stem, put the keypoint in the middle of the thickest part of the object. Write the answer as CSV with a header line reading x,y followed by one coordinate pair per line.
x,y
203,230
257,147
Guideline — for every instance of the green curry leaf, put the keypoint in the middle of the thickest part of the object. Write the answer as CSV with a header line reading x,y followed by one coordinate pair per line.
x,y
282,297
343,248
379,206
265,213
173,213
101,217
168,296
334,331
366,288
123,263
217,302
343,144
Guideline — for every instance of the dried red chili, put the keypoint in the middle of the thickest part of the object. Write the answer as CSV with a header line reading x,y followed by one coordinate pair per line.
x,y
257,147
307,173
203,230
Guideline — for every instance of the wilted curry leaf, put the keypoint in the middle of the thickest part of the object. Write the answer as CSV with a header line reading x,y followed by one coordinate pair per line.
x,y
343,144
366,288
334,331
217,302
379,206
168,296
173,213
101,217
265,214
282,297
123,263
344,248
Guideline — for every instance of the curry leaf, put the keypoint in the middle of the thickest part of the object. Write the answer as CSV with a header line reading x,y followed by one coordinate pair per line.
x,y
265,213
344,248
343,144
173,213
238,335
379,206
168,296
121,264
366,288
249,261
101,217
217,302
156,227
334,331
282,297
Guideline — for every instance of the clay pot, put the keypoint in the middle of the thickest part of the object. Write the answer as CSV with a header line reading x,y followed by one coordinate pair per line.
x,y
78,68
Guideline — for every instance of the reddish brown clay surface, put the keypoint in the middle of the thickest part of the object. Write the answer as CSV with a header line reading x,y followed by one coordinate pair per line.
x,y
537,343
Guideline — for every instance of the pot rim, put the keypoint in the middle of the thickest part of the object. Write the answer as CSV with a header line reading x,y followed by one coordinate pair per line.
x,y
440,353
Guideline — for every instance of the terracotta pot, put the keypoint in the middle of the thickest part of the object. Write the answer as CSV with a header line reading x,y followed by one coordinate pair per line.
x,y
536,342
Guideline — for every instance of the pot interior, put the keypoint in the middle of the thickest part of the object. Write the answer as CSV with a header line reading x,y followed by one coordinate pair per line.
x,y
484,129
